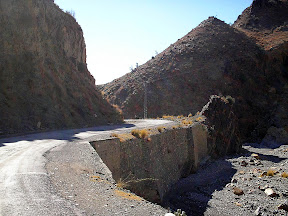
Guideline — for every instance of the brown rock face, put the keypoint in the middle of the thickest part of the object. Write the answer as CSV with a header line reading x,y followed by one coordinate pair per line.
x,y
223,126
266,21
213,58
248,61
44,79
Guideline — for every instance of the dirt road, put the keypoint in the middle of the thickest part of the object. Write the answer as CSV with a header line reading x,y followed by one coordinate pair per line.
x,y
25,186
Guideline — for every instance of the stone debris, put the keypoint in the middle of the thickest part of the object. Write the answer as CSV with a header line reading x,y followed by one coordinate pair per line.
x,y
270,192
255,156
283,206
244,163
258,211
238,204
263,188
238,191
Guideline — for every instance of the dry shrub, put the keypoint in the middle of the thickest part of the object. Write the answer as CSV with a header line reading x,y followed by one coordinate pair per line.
x,y
180,116
167,117
140,133
160,129
270,172
118,108
199,119
114,135
143,133
190,115
135,133
284,175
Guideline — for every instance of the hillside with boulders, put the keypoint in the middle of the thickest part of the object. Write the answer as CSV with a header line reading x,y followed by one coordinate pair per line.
x,y
216,58
44,80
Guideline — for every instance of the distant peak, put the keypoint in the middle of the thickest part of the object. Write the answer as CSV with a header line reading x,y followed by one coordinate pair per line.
x,y
211,20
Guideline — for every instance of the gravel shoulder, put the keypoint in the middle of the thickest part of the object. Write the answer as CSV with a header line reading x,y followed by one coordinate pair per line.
x,y
213,190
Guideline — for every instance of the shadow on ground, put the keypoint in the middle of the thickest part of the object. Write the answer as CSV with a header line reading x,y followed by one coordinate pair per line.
x,y
193,193
68,135
257,148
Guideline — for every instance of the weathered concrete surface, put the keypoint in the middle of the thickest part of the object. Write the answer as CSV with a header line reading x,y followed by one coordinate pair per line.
x,y
149,168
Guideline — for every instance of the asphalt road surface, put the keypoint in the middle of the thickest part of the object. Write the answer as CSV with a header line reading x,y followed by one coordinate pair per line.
x,y
25,188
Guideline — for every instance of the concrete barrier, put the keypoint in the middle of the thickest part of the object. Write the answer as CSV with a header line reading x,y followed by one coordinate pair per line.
x,y
150,168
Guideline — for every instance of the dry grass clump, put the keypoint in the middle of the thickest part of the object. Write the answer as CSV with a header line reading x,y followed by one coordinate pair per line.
x,y
186,122
199,119
160,129
190,115
180,116
284,175
127,195
122,137
167,117
144,133
271,172
140,133
114,135
136,133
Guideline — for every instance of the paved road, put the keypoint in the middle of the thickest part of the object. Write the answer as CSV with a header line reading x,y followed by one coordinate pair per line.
x,y
25,188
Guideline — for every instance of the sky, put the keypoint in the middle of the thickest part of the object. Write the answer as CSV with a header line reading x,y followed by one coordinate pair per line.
x,y
121,33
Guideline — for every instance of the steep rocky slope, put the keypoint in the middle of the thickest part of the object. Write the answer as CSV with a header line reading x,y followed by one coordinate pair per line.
x,y
247,61
44,81
266,22
213,58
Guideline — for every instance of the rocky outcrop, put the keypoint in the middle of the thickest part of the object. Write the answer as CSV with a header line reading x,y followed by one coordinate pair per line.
x,y
44,81
266,22
223,126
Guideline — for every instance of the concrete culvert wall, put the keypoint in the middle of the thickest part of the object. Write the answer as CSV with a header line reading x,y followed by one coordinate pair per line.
x,y
150,167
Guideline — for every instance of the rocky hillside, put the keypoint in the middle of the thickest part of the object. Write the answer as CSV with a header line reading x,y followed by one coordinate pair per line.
x,y
44,81
214,58
266,21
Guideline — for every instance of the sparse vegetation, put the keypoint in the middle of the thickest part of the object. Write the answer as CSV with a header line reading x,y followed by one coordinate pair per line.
x,y
144,133
140,133
199,119
160,129
179,212
284,175
271,172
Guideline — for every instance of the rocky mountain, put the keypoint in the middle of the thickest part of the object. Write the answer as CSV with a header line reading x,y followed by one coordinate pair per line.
x,y
44,79
266,21
214,58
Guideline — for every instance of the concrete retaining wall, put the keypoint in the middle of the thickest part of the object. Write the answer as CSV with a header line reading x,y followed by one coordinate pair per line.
x,y
150,168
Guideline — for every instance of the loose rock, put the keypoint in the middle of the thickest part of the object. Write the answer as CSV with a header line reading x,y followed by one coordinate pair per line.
x,y
270,192
283,206
238,191
255,156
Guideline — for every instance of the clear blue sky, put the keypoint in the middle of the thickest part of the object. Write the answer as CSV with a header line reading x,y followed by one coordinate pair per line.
x,y
119,34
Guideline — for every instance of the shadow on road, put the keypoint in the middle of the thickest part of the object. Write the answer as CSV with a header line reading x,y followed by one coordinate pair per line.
x,y
68,135
193,193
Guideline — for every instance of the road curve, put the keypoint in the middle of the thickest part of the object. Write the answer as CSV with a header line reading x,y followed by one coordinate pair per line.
x,y
25,187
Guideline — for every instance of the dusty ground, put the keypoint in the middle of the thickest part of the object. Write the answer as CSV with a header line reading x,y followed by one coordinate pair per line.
x,y
211,190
